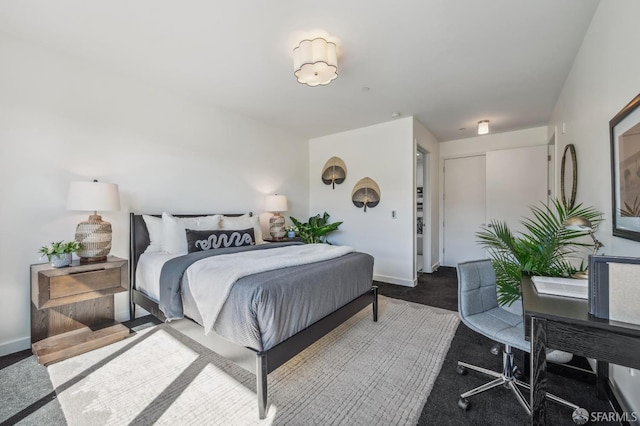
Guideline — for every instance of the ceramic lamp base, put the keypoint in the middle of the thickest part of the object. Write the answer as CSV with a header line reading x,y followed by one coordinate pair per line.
x,y
276,226
94,237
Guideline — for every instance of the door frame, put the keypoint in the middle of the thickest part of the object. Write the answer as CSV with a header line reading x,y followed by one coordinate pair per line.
x,y
442,195
427,229
552,175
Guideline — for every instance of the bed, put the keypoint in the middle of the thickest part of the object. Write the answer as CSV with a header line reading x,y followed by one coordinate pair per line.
x,y
302,303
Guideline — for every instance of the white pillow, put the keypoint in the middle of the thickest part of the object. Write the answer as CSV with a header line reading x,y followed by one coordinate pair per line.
x,y
243,222
174,237
154,226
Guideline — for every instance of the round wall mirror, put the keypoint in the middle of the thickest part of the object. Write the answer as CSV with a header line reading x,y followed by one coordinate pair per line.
x,y
569,176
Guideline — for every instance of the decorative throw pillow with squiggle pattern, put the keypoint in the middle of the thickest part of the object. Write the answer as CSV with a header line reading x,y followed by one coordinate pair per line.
x,y
213,239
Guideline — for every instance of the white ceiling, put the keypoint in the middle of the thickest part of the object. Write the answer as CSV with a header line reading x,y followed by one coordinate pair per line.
x,y
450,63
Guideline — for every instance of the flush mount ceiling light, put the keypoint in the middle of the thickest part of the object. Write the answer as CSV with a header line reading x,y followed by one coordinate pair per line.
x,y
315,62
483,127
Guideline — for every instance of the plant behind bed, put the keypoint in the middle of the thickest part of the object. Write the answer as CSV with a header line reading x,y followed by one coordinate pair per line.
x,y
316,229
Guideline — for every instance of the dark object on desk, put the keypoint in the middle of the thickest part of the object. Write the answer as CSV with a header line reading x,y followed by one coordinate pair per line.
x,y
479,310
564,323
599,285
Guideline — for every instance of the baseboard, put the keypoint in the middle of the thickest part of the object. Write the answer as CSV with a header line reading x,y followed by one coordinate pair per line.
x,y
15,346
122,315
435,266
394,280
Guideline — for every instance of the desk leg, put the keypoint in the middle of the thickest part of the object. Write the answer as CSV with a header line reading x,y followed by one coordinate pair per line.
x,y
602,379
538,371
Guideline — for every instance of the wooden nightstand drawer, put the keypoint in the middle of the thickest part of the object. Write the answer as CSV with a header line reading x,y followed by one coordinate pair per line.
x,y
82,282
60,286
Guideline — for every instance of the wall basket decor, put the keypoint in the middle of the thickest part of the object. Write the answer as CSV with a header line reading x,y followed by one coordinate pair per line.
x,y
334,172
366,193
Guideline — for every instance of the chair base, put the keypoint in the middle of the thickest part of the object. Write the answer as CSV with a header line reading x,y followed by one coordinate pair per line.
x,y
507,379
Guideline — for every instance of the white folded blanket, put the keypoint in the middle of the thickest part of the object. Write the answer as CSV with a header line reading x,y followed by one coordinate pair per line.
x,y
212,278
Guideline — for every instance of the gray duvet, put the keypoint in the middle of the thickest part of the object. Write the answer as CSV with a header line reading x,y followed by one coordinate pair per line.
x,y
265,309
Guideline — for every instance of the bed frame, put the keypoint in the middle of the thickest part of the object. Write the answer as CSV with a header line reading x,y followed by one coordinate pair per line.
x,y
259,363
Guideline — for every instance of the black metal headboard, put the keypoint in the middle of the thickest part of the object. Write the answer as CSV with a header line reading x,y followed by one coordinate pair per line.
x,y
139,238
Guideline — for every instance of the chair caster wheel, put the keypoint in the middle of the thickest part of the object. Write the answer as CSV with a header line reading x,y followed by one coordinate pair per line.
x,y
495,350
461,370
517,373
463,403
580,416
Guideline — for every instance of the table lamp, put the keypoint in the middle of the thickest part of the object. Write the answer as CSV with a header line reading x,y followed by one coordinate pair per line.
x,y
579,223
276,204
94,235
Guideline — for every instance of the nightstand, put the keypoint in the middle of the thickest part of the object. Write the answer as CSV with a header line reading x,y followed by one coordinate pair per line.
x,y
282,240
72,308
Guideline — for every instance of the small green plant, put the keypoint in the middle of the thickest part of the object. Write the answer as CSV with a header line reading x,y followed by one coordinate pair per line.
x,y
316,229
59,247
292,228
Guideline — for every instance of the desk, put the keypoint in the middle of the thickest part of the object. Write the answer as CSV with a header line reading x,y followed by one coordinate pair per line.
x,y
564,323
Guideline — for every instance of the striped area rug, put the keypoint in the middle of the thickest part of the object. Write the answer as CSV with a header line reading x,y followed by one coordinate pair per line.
x,y
361,373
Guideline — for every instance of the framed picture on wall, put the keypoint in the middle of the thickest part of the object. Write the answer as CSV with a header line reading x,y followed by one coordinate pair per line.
x,y
624,130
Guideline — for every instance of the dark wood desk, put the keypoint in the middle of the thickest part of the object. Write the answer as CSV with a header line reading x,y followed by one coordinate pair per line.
x,y
564,323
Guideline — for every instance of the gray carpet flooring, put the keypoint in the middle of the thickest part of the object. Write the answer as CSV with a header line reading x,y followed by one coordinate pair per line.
x,y
27,396
26,393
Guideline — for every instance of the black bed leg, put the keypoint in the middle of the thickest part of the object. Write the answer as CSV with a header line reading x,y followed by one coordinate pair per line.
x,y
132,308
374,289
261,384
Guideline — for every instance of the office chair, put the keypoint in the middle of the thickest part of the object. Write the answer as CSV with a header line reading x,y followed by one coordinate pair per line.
x,y
479,310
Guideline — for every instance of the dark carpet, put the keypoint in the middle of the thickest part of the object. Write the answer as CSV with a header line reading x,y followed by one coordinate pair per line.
x,y
497,406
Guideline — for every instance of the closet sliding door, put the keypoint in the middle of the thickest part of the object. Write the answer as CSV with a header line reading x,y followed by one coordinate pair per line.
x,y
500,185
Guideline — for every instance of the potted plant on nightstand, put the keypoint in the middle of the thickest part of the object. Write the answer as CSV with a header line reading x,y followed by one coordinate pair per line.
x,y
291,231
316,229
59,253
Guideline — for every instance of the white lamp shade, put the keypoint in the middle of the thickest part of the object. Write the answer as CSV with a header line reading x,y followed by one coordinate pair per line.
x,y
483,127
315,62
93,196
276,203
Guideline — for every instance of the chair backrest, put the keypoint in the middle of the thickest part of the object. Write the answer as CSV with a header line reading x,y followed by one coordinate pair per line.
x,y
476,287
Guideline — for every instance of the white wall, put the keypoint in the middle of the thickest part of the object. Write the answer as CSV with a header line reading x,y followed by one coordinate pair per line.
x,y
604,78
431,209
63,120
385,153
492,142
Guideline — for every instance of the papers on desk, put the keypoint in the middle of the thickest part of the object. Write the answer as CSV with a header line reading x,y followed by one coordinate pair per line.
x,y
568,287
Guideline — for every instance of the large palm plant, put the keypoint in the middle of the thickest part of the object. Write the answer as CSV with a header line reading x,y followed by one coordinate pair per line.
x,y
546,247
